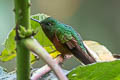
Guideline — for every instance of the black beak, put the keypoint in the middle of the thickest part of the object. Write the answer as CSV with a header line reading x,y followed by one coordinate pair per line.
x,y
42,25
36,20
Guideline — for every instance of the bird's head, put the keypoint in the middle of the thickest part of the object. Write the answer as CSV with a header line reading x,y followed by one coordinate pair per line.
x,y
49,25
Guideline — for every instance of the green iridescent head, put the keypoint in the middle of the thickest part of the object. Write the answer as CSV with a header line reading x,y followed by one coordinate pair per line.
x,y
49,26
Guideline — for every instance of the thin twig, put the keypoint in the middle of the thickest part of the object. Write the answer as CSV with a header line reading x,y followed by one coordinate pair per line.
x,y
45,69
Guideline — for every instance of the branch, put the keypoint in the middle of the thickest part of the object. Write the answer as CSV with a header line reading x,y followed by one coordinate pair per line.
x,y
34,46
45,69
22,15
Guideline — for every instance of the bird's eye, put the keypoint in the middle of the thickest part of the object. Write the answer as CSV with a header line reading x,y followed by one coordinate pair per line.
x,y
48,24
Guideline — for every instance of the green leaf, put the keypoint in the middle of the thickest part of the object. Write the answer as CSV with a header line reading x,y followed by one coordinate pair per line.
x,y
98,71
10,42
9,51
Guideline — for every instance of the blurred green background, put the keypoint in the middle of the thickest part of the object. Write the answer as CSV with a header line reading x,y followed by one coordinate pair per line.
x,y
97,20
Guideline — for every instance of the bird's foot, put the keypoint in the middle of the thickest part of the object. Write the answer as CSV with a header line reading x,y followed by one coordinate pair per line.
x,y
67,56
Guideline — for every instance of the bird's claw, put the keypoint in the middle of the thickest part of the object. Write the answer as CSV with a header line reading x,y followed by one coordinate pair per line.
x,y
67,56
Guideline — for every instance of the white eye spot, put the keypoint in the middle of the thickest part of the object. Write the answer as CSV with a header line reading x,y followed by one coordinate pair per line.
x,y
49,24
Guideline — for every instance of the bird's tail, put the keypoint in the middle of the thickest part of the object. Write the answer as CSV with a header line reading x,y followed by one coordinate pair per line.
x,y
82,56
79,53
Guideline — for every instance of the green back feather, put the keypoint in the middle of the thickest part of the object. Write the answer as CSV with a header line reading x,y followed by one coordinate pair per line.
x,y
64,32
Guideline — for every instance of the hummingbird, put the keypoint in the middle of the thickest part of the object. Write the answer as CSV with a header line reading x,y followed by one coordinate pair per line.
x,y
66,40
